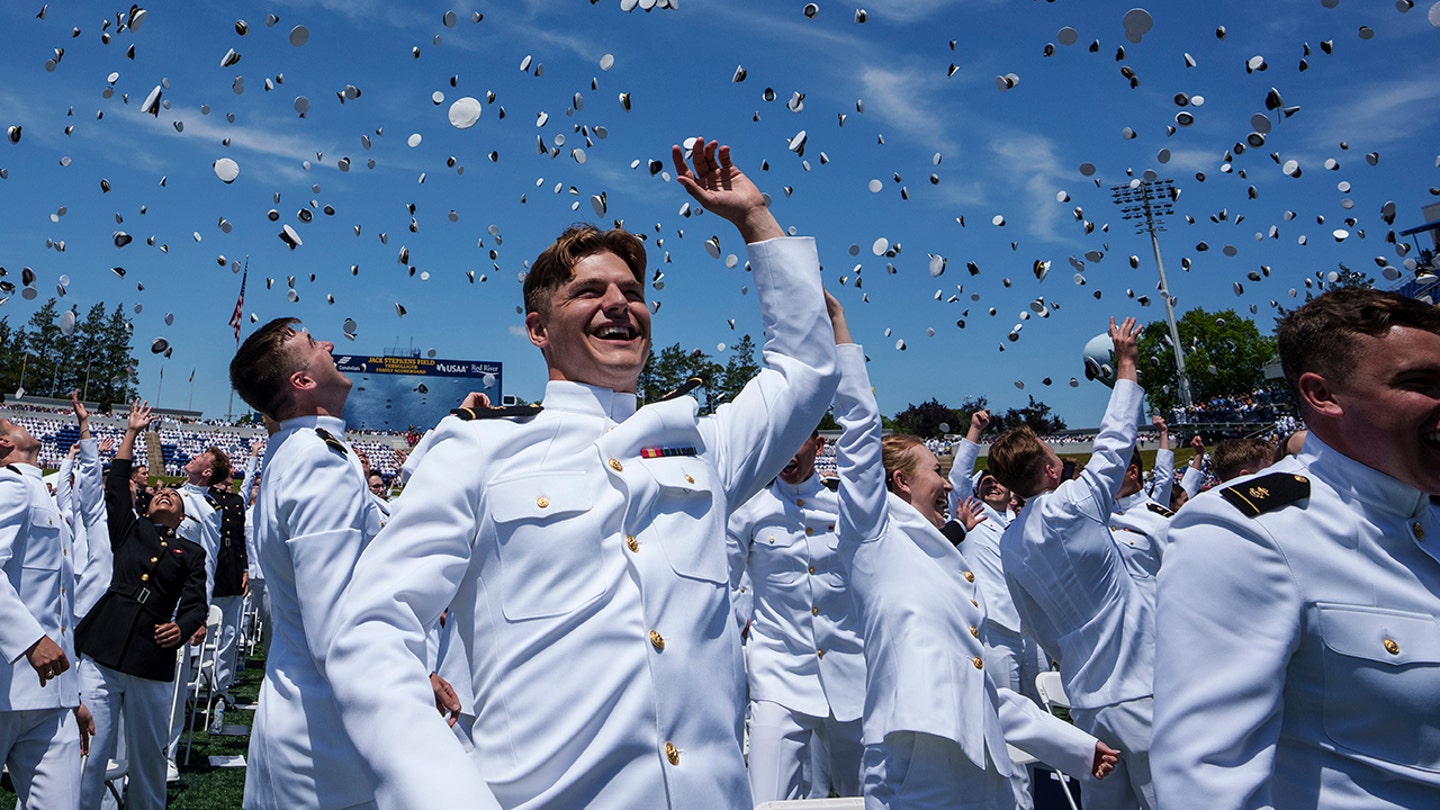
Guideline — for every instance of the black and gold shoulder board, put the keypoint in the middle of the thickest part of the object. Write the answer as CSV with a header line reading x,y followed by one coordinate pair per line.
x,y
332,442
1267,493
508,412
1159,510
832,484
685,388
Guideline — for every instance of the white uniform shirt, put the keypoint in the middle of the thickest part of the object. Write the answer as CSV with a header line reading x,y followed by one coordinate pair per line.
x,y
202,527
804,650
1299,658
582,554
310,522
1069,582
95,562
36,591
1138,525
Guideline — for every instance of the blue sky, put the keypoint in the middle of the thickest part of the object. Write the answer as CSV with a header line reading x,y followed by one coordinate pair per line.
x,y
1001,154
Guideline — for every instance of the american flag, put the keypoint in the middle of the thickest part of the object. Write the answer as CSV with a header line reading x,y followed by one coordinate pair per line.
x,y
238,314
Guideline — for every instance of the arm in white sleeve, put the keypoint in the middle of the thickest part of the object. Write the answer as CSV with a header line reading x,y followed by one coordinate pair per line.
x,y
752,437
89,484
1215,736
961,487
64,491
864,510
1164,476
1094,492
737,553
408,574
19,630
1044,736
1192,480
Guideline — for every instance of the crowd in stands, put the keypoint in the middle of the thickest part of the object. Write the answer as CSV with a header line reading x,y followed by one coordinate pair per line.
x,y
1260,405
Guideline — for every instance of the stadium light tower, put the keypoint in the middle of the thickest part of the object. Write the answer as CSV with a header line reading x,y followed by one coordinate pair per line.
x,y
1147,200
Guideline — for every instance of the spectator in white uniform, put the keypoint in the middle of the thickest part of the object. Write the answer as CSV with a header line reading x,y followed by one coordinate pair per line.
x,y
1299,654
580,547
1071,585
803,660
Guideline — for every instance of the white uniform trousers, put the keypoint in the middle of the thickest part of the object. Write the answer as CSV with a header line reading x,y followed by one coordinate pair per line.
x,y
184,671
231,608
915,771
791,754
144,706
41,747
1125,726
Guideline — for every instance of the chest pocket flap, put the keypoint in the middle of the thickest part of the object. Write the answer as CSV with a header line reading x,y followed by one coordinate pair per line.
x,y
549,556
1383,636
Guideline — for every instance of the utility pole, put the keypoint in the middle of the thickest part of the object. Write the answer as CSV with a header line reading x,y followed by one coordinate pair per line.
x,y
1148,200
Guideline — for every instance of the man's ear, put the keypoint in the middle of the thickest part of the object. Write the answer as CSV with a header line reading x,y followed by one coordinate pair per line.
x,y
1318,395
301,380
537,330
819,444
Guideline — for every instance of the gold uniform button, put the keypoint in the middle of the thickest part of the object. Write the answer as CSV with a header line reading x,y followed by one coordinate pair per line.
x,y
672,753
969,576
1391,647
809,531
799,501
154,559
979,664
616,465
631,543
144,577
656,640
974,631
689,479
973,602
65,552
772,539
542,502
812,569
820,653
814,611
164,544
1419,530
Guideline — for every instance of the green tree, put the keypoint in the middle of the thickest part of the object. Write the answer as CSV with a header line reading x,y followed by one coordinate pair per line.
x,y
739,370
672,367
1225,355
1036,416
925,420
46,352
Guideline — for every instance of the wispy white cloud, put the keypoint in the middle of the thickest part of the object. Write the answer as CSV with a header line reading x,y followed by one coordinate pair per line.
x,y
1389,113
1033,159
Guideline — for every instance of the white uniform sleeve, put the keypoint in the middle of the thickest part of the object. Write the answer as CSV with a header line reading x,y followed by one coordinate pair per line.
x,y
751,438
966,452
1191,481
737,552
18,628
202,526
64,491
1164,474
1101,478
864,511
409,573
1219,681
1044,736
90,485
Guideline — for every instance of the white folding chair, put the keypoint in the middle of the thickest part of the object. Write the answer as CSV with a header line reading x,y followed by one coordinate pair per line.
x,y
1052,694
204,673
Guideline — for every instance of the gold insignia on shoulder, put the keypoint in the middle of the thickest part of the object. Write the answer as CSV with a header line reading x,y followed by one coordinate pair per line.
x,y
1267,493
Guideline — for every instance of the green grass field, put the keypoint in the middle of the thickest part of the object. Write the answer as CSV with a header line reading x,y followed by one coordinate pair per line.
x,y
202,787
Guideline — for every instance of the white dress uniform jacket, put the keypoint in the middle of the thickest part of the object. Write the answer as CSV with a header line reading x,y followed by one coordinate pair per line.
x,y
1299,659
95,560
310,521
1069,582
1138,525
785,538
924,662
36,591
582,554
201,526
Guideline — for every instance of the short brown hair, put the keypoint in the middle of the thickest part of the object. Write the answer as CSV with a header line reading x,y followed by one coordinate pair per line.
x,y
897,453
556,264
1319,337
1234,455
262,366
1016,460
219,466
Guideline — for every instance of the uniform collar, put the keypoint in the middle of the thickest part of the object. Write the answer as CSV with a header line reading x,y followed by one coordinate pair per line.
x,y
334,424
803,489
1345,474
562,395
1134,500
27,469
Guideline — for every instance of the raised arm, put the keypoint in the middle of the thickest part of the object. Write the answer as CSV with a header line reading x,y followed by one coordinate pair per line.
x,y
1164,470
1194,474
751,438
966,452
1101,478
858,456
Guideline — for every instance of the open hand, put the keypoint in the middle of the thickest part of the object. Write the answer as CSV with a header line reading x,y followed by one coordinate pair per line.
x,y
723,189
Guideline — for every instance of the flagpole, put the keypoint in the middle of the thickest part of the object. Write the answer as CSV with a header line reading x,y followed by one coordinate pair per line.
x,y
160,385
190,403
236,318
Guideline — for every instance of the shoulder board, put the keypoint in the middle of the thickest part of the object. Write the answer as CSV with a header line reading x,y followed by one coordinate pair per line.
x,y
689,385
1267,493
14,469
1159,510
509,412
832,484
332,442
